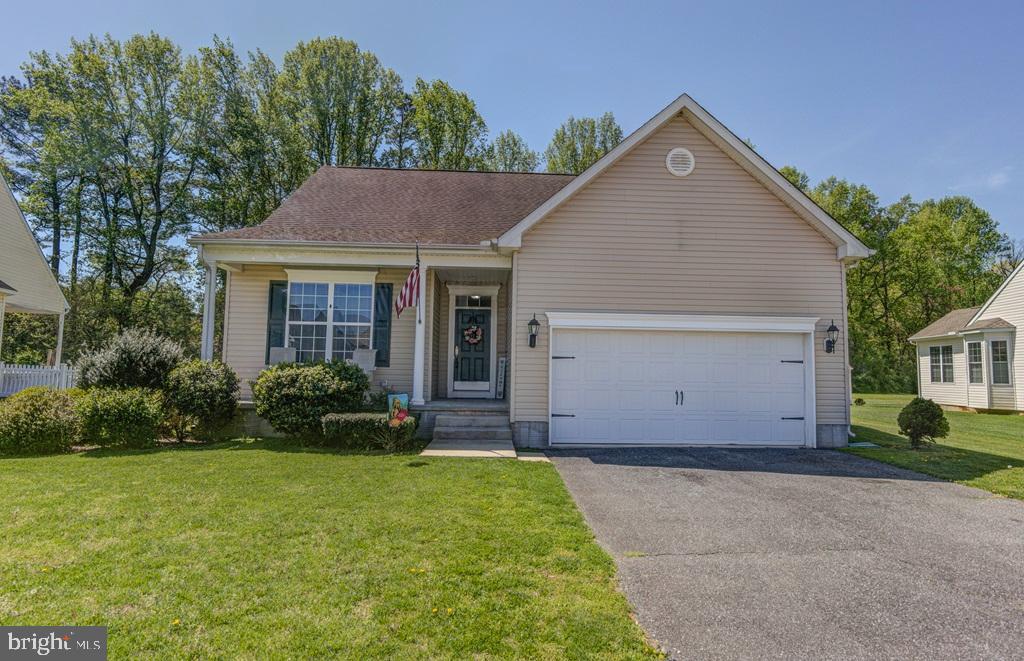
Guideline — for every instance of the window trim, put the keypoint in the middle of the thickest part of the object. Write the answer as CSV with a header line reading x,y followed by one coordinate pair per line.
x,y
329,322
938,350
1007,362
980,364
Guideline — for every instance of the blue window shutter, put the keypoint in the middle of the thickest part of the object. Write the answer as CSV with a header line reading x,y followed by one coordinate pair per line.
x,y
277,301
382,323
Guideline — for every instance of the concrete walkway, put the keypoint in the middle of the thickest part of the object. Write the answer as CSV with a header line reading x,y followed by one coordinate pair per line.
x,y
461,447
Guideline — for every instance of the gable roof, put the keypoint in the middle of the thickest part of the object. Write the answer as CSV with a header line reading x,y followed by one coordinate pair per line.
x,y
848,246
949,324
958,322
24,270
991,299
355,205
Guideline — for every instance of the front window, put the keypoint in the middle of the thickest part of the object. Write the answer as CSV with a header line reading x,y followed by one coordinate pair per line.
x,y
1000,362
340,311
975,368
352,316
941,364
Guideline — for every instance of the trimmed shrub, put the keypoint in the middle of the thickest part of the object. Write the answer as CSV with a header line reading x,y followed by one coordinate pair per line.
x,y
356,385
129,417
39,421
133,359
859,402
202,396
368,431
293,398
922,421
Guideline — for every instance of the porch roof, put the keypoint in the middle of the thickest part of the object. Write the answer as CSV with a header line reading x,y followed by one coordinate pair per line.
x,y
388,207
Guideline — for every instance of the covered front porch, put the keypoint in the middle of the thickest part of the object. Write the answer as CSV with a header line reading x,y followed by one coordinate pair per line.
x,y
296,304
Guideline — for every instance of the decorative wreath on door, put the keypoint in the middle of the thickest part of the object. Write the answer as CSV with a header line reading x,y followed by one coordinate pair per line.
x,y
473,335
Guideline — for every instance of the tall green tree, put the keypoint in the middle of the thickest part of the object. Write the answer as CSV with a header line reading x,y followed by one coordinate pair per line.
x,y
510,153
450,133
342,100
579,143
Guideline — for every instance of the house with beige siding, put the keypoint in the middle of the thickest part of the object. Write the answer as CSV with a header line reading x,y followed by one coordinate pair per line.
x,y
680,291
26,283
968,358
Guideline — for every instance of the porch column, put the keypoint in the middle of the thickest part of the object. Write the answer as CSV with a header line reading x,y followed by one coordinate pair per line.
x,y
60,339
209,299
419,356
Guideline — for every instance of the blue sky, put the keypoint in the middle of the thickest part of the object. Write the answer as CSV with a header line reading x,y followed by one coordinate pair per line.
x,y
920,98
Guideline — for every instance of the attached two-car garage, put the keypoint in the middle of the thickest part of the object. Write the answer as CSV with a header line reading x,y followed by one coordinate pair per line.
x,y
624,379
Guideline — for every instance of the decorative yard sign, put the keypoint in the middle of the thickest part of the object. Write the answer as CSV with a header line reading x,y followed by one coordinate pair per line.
x,y
398,408
499,386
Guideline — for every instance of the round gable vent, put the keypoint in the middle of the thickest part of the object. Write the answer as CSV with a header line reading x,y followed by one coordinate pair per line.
x,y
680,162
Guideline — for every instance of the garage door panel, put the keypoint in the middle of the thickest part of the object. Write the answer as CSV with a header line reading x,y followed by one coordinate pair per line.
x,y
622,387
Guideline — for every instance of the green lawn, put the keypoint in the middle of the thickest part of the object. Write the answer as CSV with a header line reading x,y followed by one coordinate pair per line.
x,y
256,549
982,450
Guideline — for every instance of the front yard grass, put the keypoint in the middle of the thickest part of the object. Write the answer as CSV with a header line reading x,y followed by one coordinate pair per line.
x,y
982,450
256,549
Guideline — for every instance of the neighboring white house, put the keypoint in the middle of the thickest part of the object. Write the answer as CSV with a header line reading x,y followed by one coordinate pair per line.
x,y
26,282
679,291
968,358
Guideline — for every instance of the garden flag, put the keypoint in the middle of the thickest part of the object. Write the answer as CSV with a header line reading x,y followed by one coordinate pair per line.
x,y
410,294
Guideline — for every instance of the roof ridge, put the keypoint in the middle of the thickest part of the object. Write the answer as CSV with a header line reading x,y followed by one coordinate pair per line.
x,y
387,169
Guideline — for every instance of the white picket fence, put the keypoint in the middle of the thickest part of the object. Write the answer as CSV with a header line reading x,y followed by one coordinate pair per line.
x,y
15,378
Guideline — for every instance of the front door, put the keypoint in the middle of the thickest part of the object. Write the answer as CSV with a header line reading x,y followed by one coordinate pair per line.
x,y
472,371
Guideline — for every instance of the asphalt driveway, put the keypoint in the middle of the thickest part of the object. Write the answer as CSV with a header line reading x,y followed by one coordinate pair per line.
x,y
804,554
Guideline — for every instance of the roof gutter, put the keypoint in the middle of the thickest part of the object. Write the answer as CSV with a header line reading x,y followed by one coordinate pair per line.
x,y
256,243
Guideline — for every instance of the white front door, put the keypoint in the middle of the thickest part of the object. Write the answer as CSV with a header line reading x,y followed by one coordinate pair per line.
x,y
677,387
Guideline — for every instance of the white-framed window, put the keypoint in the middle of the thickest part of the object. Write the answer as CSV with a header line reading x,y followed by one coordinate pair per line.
x,y
329,320
975,366
941,363
1000,352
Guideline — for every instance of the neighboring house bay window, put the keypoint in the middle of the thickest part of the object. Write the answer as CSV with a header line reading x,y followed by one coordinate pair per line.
x,y
975,368
329,321
1000,362
941,364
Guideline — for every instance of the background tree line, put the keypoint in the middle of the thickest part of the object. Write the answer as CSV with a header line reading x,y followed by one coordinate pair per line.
x,y
119,150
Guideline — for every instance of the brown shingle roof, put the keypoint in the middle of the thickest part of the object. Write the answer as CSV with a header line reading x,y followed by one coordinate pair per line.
x,y
951,323
987,324
374,205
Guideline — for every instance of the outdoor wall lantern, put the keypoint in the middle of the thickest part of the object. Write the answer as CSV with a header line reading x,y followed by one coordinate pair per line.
x,y
831,336
534,327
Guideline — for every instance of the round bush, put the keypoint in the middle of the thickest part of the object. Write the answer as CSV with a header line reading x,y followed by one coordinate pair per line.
x,y
293,398
356,385
39,421
201,396
129,417
922,421
134,359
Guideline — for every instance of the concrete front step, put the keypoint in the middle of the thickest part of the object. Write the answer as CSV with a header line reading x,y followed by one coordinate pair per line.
x,y
449,420
478,433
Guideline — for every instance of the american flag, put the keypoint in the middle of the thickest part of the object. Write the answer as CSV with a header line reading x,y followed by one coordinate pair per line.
x,y
410,294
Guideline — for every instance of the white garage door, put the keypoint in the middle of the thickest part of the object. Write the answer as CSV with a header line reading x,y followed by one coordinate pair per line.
x,y
682,387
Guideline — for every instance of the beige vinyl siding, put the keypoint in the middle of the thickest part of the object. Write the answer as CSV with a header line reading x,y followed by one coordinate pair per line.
x,y
1009,305
639,239
953,394
22,266
245,328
